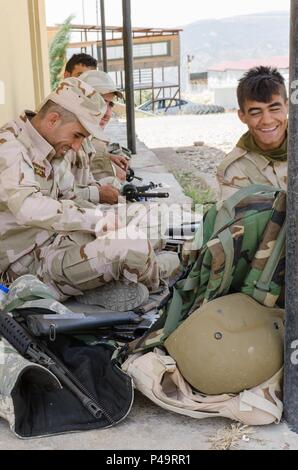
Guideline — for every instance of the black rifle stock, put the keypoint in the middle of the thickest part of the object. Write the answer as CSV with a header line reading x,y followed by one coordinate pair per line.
x,y
51,325
38,353
130,176
137,193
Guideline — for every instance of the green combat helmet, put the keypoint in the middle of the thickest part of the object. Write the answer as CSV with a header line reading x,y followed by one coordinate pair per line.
x,y
228,345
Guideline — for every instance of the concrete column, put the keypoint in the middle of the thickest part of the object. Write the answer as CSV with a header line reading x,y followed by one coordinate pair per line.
x,y
39,49
24,70
129,85
291,336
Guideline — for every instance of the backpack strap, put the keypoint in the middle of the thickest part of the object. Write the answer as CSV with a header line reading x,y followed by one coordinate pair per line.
x,y
226,240
227,211
262,286
174,319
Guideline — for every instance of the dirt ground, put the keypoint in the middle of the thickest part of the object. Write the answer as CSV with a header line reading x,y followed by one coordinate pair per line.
x,y
193,165
191,147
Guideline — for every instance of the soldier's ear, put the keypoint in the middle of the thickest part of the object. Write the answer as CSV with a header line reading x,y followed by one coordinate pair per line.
x,y
66,74
242,116
53,119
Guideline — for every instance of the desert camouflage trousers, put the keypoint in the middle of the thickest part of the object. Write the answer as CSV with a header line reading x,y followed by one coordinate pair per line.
x,y
74,262
77,262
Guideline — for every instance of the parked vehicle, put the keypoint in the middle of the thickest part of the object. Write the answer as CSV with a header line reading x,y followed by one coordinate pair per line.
x,y
177,106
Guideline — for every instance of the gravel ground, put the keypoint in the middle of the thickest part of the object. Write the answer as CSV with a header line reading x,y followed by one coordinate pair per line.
x,y
215,130
172,139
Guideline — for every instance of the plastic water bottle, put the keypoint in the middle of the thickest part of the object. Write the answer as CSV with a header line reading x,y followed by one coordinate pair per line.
x,y
3,294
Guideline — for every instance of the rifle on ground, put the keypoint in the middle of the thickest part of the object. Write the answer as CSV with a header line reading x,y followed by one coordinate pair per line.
x,y
130,176
50,324
139,193
37,352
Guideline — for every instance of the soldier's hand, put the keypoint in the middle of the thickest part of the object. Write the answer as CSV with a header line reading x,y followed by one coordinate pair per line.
x,y
108,194
120,161
121,174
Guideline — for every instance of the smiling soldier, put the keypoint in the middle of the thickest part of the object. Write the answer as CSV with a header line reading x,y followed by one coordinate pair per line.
x,y
260,156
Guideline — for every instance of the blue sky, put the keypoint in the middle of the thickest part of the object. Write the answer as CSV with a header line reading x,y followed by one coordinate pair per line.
x,y
159,13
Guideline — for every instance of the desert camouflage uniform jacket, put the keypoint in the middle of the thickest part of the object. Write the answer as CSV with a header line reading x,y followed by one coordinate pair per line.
x,y
32,210
82,173
241,168
101,165
75,179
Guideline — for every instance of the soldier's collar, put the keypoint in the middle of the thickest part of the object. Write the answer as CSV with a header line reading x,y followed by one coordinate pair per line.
x,y
36,140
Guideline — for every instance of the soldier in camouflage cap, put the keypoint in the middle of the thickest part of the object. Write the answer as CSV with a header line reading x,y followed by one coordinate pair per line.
x,y
108,170
260,156
42,232
83,102
103,163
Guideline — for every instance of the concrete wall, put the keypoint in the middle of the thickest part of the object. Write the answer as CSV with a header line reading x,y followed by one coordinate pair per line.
x,y
226,97
24,69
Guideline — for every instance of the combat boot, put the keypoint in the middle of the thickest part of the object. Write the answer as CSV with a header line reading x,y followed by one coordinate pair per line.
x,y
117,296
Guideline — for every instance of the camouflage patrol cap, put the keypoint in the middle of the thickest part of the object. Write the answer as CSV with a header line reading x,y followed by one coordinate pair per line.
x,y
228,345
83,101
101,82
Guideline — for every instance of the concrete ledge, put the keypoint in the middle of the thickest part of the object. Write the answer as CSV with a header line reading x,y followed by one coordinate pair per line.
x,y
148,166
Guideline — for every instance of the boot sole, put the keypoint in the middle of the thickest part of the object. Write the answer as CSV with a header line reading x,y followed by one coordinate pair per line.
x,y
116,296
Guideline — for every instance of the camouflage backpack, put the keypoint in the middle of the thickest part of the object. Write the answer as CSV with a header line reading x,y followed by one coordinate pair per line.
x,y
240,247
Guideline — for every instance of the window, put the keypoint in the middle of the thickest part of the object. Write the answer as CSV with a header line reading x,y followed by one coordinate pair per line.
x,y
151,49
171,103
160,48
115,52
142,50
139,50
147,107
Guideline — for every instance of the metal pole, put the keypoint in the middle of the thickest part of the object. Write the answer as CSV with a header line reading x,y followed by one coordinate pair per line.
x,y
103,36
128,66
179,84
83,11
153,92
97,18
291,334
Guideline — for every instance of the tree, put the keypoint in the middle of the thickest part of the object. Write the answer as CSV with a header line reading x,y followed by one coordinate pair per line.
x,y
58,51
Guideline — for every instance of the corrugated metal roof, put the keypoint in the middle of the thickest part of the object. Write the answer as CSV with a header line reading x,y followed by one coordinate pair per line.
x,y
119,29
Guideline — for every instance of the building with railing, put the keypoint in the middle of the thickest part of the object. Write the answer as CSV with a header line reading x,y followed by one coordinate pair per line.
x,y
156,54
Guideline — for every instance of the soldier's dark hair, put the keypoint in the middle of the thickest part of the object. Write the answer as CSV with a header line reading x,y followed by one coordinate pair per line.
x,y
51,107
259,84
84,59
